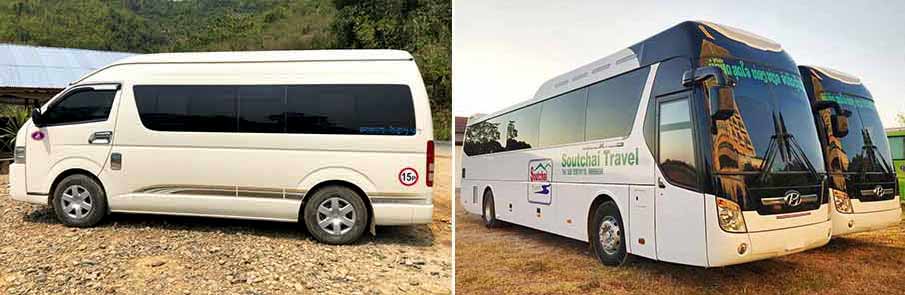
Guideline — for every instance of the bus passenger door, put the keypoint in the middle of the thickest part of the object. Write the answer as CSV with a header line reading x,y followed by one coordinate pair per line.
x,y
679,208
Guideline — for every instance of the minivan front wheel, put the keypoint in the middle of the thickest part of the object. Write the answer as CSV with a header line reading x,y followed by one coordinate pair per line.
x,y
79,201
335,215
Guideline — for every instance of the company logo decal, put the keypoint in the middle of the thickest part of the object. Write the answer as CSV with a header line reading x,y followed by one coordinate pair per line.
x,y
793,198
593,162
544,189
540,174
539,170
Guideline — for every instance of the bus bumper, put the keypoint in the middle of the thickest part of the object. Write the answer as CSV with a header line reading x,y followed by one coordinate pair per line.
x,y
17,186
402,212
725,248
844,224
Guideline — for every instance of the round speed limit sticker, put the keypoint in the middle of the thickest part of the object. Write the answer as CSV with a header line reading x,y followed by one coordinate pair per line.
x,y
408,176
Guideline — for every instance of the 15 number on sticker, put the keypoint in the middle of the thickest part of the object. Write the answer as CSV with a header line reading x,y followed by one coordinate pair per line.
x,y
408,176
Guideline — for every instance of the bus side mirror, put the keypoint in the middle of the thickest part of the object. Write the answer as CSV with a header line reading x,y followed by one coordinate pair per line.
x,y
722,102
840,124
36,117
839,118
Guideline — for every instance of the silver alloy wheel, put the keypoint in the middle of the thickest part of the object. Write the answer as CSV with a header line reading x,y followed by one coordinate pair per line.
x,y
77,201
335,216
487,212
609,235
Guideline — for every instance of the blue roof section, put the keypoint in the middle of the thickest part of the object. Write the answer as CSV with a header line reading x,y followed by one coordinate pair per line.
x,y
25,66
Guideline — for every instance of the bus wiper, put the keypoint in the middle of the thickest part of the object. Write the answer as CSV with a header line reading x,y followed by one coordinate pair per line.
x,y
869,151
788,148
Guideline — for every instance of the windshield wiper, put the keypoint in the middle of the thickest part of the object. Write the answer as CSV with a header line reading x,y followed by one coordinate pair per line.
x,y
869,151
788,148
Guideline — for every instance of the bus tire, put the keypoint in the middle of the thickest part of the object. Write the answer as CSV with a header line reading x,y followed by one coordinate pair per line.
x,y
607,223
488,211
79,201
335,215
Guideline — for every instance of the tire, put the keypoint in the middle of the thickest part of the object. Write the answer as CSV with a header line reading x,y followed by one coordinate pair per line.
x,y
488,211
79,201
606,219
329,221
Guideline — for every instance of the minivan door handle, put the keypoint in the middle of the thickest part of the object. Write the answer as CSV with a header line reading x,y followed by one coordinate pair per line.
x,y
101,137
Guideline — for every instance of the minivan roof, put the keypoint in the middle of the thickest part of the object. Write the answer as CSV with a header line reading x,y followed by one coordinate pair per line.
x,y
268,56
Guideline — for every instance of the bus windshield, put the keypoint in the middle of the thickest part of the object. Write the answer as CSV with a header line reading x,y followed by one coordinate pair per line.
x,y
770,145
864,146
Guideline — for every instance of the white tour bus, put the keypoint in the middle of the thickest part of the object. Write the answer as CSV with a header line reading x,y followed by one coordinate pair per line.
x,y
696,146
338,140
862,178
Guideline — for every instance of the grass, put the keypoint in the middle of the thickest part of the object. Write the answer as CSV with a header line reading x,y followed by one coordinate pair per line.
x,y
519,260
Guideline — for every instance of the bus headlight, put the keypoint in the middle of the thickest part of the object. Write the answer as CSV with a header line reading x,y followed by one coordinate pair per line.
x,y
842,201
730,216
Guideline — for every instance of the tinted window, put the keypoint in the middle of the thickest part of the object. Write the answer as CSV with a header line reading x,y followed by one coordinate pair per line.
x,y
262,109
350,109
317,109
613,104
482,138
187,108
522,128
80,106
677,143
897,147
563,118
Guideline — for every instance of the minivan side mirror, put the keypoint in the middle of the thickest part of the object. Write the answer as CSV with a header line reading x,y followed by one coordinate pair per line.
x,y
36,117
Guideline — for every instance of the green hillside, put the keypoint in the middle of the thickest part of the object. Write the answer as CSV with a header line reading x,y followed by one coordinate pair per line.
x,y
422,27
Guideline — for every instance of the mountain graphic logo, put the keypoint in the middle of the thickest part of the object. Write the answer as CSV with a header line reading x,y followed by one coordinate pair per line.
x,y
539,170
544,189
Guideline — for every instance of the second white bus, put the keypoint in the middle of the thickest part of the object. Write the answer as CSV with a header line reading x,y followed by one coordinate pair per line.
x,y
696,146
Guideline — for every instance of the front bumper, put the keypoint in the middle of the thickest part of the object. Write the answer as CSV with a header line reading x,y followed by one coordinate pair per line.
x,y
17,189
723,246
844,224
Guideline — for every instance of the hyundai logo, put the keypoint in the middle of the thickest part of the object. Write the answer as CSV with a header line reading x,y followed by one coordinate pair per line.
x,y
793,198
878,191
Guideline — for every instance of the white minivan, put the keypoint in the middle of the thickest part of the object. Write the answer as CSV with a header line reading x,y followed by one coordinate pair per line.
x,y
340,140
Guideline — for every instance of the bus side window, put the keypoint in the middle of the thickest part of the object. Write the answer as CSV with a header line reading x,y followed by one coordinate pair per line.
x,y
897,147
677,143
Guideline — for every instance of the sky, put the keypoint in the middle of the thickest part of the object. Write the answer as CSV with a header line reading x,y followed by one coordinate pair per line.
x,y
504,50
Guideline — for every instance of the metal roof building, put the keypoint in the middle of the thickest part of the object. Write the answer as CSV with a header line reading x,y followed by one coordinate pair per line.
x,y
33,74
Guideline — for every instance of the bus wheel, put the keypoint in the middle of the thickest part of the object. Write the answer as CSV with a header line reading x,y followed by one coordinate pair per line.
x,y
488,212
335,215
608,235
79,201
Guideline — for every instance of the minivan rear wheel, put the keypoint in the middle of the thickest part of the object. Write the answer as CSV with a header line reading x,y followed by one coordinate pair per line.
x,y
79,201
336,215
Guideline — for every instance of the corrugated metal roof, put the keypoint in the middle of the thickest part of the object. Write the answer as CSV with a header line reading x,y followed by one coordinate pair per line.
x,y
48,67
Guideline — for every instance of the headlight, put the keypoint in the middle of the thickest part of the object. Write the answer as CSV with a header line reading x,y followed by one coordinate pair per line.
x,y
730,216
19,154
842,201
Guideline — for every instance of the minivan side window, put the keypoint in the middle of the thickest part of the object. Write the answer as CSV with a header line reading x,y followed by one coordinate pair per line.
x,y
361,109
81,106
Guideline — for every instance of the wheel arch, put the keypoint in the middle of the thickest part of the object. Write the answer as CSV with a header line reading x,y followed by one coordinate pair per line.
x,y
73,171
361,193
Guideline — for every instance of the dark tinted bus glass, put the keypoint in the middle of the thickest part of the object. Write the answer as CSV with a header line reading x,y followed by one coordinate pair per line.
x,y
80,106
350,109
315,109
522,128
613,104
482,138
563,118
677,143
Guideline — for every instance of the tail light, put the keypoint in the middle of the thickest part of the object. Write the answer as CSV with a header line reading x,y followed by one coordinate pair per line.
x,y
430,163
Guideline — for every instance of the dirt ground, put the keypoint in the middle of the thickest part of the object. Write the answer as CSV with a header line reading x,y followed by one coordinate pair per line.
x,y
145,254
519,260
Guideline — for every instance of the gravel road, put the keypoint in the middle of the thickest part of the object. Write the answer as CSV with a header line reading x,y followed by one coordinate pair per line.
x,y
142,254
